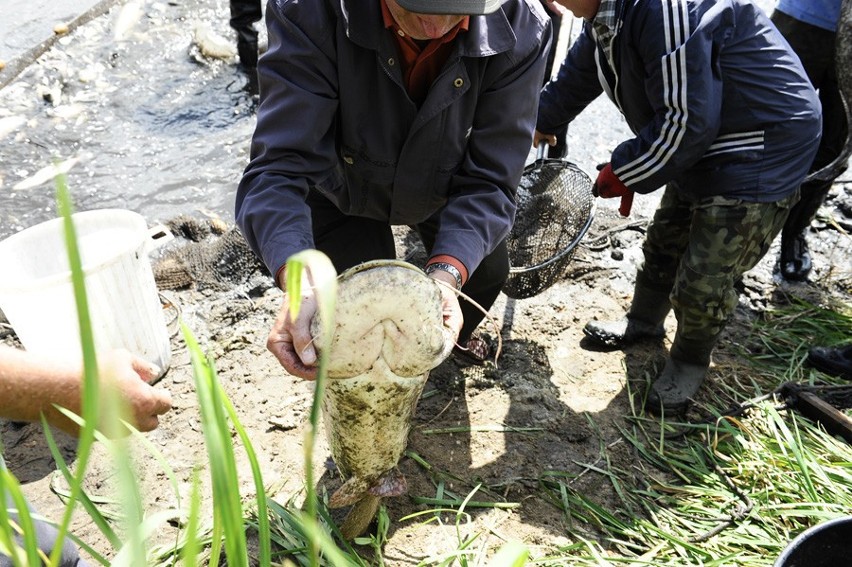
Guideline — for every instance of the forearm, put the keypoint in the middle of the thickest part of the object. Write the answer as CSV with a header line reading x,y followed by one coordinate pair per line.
x,y
481,205
299,77
29,387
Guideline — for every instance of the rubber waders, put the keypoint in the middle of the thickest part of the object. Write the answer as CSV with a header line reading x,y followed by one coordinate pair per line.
x,y
682,376
644,320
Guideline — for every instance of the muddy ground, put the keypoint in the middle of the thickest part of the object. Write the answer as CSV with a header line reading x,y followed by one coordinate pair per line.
x,y
549,404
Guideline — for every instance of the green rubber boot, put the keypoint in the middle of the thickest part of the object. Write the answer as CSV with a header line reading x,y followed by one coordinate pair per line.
x,y
682,376
644,320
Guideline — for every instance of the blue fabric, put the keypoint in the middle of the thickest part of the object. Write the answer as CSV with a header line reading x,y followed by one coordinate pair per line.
x,y
820,13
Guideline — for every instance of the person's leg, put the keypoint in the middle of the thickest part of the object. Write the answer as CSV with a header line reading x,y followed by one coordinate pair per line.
x,y
664,244
560,150
244,14
556,22
795,259
348,240
483,287
728,237
816,49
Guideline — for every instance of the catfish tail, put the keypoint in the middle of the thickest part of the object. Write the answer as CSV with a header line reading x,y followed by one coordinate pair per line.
x,y
360,516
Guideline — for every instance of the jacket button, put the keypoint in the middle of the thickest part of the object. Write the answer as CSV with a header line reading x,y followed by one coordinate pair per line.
x,y
348,159
458,82
391,62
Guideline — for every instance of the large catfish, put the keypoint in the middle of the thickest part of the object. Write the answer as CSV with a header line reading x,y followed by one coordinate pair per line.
x,y
389,334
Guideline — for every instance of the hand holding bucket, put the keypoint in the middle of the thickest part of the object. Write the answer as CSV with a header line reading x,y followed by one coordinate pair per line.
x,y
36,292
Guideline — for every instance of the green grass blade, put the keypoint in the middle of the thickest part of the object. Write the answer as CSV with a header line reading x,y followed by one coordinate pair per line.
x,y
28,553
220,451
512,554
265,556
324,279
189,553
91,388
88,505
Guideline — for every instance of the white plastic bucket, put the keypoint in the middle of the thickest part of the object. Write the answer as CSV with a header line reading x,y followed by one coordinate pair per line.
x,y
37,296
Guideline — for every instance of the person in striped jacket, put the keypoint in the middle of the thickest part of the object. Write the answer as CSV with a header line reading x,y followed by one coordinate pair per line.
x,y
726,120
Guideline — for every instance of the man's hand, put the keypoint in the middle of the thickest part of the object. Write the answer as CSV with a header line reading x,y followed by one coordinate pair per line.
x,y
31,386
291,341
131,377
449,301
540,137
607,185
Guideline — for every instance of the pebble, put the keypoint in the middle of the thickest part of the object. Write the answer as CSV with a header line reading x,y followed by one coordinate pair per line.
x,y
60,29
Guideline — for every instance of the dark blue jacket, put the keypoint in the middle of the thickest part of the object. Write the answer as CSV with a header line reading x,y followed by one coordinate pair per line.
x,y
334,116
718,101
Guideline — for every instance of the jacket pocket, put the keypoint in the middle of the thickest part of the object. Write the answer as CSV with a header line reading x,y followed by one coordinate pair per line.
x,y
367,183
333,187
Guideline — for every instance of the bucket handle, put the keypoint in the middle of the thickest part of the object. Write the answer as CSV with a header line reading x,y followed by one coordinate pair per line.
x,y
157,236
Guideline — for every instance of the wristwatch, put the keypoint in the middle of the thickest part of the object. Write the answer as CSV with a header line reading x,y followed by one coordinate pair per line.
x,y
445,267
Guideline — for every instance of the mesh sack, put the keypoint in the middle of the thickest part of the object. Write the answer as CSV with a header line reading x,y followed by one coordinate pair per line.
x,y
555,209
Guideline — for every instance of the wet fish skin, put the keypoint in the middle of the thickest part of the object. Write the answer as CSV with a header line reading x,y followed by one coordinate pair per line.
x,y
389,334
367,421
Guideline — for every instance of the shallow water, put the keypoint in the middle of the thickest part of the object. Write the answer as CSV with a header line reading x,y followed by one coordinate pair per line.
x,y
149,123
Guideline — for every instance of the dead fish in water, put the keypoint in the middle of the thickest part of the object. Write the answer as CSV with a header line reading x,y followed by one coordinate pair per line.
x,y
389,334
211,44
46,174
128,17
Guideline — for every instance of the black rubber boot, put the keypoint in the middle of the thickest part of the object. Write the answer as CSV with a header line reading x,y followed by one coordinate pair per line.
x,y
672,391
835,361
644,320
795,258
247,50
682,376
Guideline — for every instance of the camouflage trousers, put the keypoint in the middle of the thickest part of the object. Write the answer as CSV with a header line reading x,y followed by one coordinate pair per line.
x,y
697,251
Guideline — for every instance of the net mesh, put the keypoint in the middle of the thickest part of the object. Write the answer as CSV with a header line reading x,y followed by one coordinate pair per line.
x,y
555,208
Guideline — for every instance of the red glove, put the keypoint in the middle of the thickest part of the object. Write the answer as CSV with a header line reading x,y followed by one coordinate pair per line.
x,y
607,185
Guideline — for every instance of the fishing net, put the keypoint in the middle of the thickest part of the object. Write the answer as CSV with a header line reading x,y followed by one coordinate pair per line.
x,y
214,256
555,209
